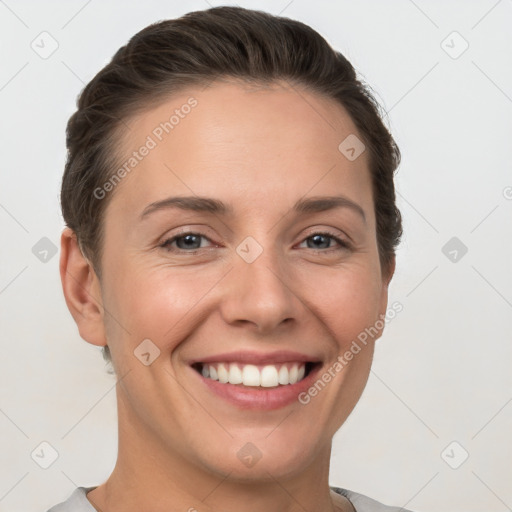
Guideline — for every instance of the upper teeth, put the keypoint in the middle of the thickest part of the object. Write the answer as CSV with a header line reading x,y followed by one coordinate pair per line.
x,y
266,376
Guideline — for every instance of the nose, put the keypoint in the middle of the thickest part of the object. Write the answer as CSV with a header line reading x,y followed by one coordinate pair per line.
x,y
260,294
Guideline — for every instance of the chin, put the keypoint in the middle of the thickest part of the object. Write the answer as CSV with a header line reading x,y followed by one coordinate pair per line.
x,y
262,460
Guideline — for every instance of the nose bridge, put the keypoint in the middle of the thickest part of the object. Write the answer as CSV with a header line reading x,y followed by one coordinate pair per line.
x,y
260,285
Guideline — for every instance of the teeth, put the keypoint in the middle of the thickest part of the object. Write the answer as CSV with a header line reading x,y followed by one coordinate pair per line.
x,y
235,374
282,376
222,373
293,375
250,375
267,376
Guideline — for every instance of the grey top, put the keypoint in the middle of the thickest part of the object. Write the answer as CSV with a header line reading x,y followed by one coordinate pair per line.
x,y
78,502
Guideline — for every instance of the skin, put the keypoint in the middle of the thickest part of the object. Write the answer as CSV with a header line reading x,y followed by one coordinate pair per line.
x,y
258,150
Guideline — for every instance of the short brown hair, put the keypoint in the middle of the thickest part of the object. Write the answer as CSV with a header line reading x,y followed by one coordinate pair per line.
x,y
221,42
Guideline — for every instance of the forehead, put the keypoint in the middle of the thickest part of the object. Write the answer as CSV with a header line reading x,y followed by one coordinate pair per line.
x,y
245,139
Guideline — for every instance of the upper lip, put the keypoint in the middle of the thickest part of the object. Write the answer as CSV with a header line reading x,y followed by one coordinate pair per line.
x,y
250,357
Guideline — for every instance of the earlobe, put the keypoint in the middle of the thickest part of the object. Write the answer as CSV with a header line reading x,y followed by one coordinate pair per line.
x,y
386,279
82,290
391,271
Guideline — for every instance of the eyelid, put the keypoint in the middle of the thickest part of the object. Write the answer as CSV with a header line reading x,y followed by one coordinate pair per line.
x,y
190,229
329,230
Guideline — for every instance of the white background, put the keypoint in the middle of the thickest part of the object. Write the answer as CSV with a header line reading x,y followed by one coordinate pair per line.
x,y
442,368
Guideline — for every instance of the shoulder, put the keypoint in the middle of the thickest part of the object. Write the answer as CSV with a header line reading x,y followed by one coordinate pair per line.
x,y
76,502
363,503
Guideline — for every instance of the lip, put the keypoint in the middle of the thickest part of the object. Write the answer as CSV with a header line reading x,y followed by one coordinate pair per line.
x,y
258,398
253,357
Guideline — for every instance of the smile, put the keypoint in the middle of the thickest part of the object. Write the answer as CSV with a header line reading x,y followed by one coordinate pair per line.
x,y
251,375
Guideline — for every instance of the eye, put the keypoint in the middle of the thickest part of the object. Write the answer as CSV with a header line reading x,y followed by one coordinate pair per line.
x,y
187,242
191,242
323,241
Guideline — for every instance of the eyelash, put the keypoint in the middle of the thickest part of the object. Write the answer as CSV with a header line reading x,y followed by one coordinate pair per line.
x,y
344,245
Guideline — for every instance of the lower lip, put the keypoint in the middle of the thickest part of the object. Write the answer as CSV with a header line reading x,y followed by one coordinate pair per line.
x,y
259,397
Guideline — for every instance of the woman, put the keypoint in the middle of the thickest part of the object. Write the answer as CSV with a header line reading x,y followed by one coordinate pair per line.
x,y
231,233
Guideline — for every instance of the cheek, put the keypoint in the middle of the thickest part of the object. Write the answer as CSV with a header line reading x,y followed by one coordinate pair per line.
x,y
347,301
160,303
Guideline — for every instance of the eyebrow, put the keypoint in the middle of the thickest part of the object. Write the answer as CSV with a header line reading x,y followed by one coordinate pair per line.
x,y
215,206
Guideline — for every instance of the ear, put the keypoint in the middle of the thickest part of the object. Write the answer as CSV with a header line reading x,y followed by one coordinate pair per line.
x,y
386,279
82,290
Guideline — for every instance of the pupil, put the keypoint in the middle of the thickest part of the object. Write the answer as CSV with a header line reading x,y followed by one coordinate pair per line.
x,y
319,237
189,240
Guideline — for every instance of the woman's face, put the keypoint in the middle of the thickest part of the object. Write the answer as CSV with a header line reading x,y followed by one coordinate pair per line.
x,y
261,283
